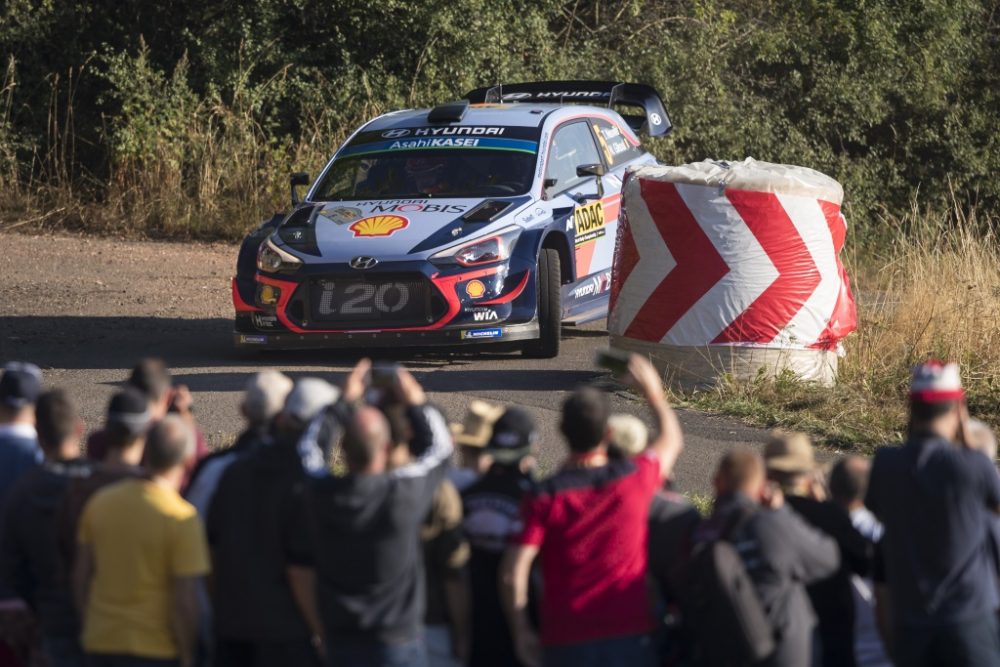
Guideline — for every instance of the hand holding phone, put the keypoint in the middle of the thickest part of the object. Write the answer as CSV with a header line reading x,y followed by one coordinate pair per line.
x,y
385,375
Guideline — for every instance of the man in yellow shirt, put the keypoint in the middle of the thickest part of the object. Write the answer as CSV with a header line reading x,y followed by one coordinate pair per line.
x,y
142,552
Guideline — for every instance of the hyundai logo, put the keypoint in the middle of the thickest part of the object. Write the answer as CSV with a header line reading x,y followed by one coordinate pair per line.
x,y
363,262
395,134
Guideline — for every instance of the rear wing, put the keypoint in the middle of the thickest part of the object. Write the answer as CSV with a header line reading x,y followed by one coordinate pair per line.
x,y
654,120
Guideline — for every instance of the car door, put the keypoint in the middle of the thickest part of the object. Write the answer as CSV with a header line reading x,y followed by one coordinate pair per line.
x,y
572,146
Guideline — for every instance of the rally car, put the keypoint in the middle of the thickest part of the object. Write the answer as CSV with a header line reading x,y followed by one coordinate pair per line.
x,y
488,220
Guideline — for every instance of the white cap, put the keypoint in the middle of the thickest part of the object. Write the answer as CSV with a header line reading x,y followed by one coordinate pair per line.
x,y
265,395
308,397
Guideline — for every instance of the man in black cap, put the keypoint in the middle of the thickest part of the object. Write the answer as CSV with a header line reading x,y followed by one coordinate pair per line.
x,y
492,508
152,378
20,386
30,558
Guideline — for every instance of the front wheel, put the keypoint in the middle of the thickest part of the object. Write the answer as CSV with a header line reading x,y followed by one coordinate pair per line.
x,y
549,296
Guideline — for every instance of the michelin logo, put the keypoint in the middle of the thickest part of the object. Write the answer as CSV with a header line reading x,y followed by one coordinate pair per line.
x,y
482,333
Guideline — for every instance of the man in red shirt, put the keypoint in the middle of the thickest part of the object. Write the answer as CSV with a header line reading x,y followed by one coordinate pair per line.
x,y
589,524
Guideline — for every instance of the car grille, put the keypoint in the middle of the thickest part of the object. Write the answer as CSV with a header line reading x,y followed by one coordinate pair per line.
x,y
372,302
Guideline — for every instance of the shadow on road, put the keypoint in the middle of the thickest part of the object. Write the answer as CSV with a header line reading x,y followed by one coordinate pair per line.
x,y
81,342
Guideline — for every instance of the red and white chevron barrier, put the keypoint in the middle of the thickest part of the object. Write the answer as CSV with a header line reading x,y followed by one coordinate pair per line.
x,y
743,256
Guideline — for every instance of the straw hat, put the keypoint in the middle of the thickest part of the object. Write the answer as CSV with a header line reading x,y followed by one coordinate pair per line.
x,y
789,452
477,426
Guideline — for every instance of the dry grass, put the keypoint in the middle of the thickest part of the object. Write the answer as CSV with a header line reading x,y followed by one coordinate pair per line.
x,y
932,289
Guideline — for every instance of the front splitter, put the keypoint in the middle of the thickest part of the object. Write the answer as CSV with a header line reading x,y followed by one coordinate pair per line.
x,y
381,339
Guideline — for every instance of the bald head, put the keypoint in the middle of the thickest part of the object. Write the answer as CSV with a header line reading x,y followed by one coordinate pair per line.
x,y
367,440
740,470
169,443
849,481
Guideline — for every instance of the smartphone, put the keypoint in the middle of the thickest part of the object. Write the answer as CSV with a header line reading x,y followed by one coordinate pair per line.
x,y
385,375
615,361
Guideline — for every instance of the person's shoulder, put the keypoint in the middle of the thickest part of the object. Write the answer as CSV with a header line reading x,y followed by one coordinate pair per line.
x,y
668,506
170,503
887,454
114,492
15,447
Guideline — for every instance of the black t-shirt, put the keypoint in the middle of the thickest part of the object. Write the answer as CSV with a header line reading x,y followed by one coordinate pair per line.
x,y
833,597
362,533
492,511
247,525
31,560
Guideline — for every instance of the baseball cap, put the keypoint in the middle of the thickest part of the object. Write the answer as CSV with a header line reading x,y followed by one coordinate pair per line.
x,y
629,433
265,395
789,452
513,436
129,409
475,429
936,382
20,385
307,397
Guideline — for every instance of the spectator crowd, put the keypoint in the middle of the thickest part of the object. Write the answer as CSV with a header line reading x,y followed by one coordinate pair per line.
x,y
352,525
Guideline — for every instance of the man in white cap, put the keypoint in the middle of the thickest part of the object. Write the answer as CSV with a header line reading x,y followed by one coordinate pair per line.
x,y
265,396
935,500
257,620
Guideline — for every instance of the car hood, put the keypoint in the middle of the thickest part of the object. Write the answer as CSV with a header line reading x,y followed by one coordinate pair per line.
x,y
387,229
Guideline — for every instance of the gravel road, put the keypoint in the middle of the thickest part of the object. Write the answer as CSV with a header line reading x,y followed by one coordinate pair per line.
x,y
85,309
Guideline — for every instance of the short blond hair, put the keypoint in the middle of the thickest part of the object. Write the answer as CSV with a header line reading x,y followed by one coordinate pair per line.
x,y
628,433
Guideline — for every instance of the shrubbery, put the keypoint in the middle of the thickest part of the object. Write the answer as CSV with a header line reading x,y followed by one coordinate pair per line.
x,y
185,117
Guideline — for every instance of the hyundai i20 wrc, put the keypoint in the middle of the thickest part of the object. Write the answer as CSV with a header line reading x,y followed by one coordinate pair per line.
x,y
488,220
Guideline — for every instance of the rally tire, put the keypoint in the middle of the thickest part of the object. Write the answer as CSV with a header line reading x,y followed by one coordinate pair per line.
x,y
549,292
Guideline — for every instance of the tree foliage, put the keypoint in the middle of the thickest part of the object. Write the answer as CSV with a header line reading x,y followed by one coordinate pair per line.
x,y
214,99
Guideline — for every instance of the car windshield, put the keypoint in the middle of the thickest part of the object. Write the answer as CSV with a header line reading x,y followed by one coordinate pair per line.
x,y
372,167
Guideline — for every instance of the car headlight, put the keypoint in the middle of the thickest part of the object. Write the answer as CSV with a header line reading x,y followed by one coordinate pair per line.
x,y
492,248
272,259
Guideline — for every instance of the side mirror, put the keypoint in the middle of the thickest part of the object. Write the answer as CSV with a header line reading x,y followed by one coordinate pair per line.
x,y
547,185
595,170
297,179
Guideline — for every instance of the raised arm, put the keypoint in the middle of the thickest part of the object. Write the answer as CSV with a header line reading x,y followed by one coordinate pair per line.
x,y
431,444
669,440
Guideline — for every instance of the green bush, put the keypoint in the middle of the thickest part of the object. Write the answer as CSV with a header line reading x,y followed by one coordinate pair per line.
x,y
185,117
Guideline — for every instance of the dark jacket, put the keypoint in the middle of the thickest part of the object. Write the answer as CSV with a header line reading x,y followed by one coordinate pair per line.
x,y
833,598
364,535
247,526
31,559
782,555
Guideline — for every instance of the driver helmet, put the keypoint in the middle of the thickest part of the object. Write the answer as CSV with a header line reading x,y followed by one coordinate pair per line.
x,y
428,173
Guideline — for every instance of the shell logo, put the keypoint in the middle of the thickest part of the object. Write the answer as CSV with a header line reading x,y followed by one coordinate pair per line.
x,y
379,225
475,289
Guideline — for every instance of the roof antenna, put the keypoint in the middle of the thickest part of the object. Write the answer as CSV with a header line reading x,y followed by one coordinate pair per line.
x,y
496,45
